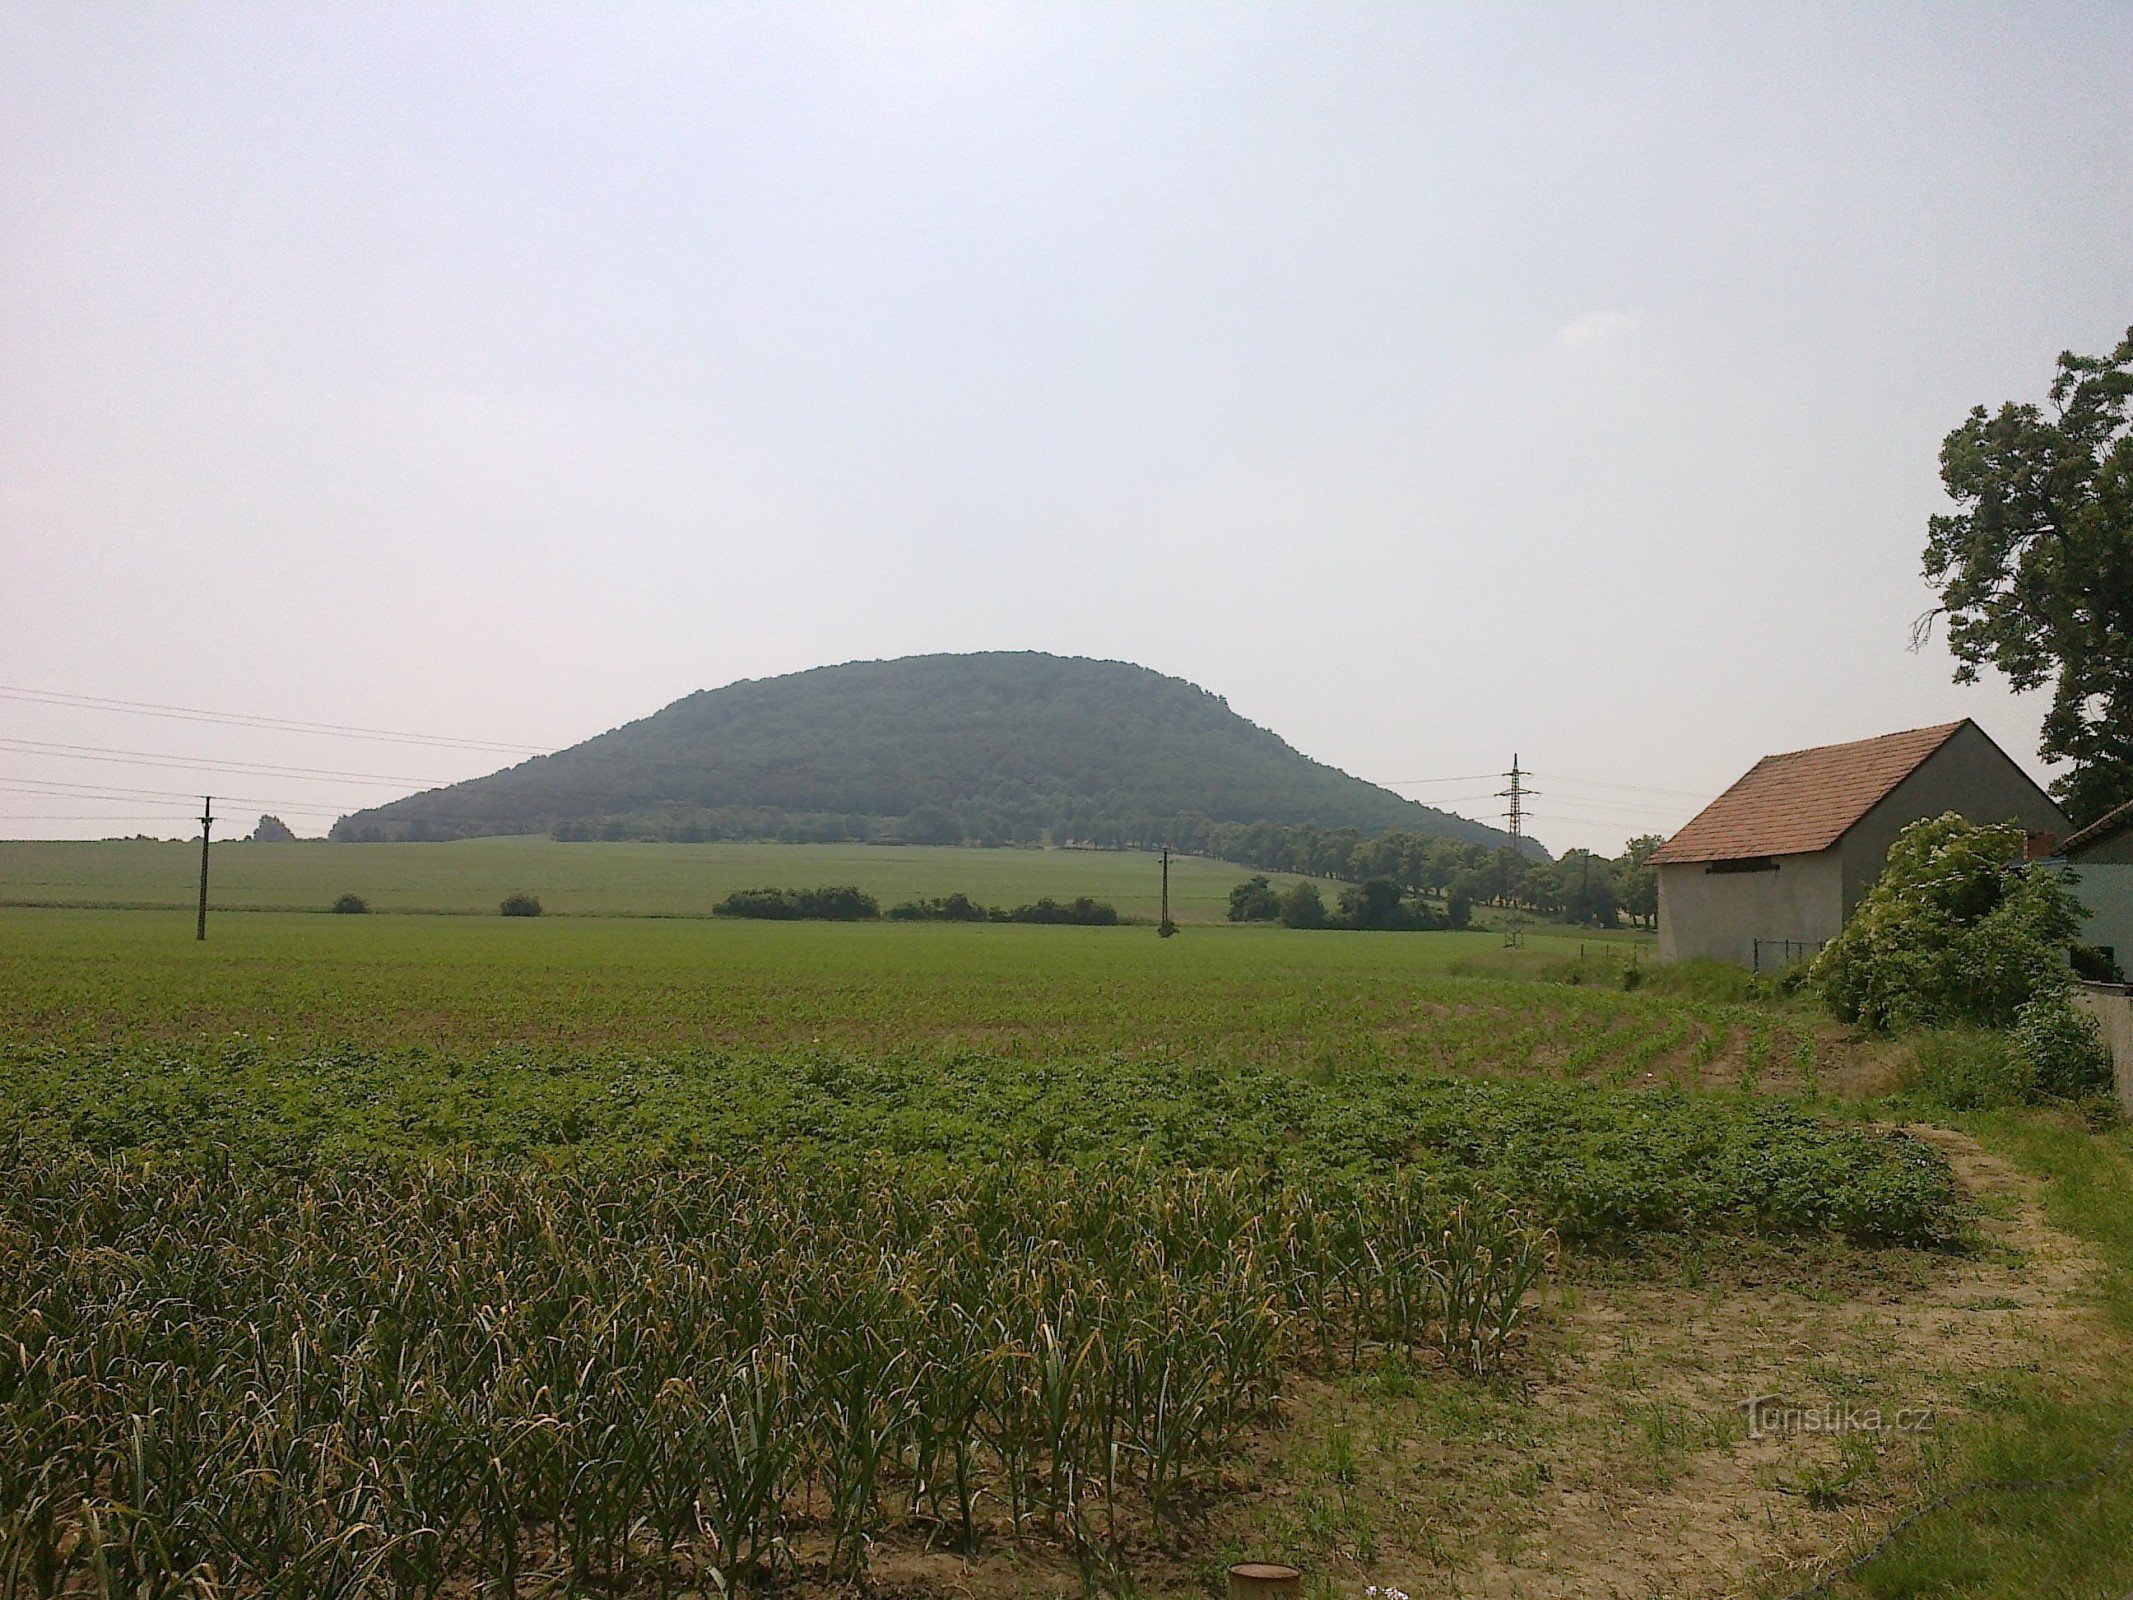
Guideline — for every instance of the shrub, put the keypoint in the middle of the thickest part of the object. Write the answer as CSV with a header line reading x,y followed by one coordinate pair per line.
x,y
2060,1046
1380,903
520,905
1084,912
351,905
837,904
841,903
1255,900
952,908
1303,906
1970,1069
1954,932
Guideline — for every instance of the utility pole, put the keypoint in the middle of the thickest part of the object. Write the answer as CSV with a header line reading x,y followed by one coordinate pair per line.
x,y
207,823
1166,927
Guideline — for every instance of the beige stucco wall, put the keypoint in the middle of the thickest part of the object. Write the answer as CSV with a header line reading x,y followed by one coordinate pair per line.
x,y
1968,775
2112,1007
1719,915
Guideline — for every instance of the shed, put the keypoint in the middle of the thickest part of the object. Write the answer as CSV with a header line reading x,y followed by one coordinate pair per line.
x,y
2101,856
1768,872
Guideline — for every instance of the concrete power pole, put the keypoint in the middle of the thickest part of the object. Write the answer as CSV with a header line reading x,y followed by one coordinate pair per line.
x,y
207,823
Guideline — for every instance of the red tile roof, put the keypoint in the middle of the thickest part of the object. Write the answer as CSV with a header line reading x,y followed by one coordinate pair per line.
x,y
1805,800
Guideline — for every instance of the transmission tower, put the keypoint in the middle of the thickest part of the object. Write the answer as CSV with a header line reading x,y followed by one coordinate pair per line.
x,y
1514,928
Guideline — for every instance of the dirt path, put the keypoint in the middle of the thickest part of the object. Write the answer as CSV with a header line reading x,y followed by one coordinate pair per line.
x,y
1632,1466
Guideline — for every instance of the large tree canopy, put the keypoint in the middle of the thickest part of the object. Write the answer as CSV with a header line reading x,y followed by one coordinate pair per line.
x,y
2035,571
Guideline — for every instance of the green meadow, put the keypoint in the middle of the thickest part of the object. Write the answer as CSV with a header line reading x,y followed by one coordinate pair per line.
x,y
591,879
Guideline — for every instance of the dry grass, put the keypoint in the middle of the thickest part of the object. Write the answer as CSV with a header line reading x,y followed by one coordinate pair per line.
x,y
1622,1464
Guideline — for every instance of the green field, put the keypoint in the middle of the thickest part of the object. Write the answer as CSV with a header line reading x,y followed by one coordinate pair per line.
x,y
652,880
921,1256
1265,994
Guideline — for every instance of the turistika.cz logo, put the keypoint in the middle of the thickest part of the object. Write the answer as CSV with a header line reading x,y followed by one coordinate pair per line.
x,y
1770,1418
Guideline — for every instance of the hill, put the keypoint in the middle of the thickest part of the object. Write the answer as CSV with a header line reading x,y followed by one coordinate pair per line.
x,y
993,748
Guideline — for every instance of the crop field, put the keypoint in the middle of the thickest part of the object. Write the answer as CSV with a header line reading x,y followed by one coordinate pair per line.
x,y
463,983
415,1255
592,879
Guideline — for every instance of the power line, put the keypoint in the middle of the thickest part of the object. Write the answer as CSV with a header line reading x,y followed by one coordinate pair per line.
x,y
110,752
1634,788
65,816
1601,808
59,789
242,719
98,752
1552,777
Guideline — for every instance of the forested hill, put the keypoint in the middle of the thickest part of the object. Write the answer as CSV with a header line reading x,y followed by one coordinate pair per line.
x,y
994,747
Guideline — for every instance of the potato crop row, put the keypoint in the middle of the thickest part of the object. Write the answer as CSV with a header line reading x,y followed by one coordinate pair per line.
x,y
422,1376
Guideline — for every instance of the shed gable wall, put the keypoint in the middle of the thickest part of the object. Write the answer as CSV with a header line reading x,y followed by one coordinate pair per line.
x,y
2105,889
1719,916
1968,775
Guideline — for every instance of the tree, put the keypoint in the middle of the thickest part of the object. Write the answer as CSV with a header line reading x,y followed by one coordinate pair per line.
x,y
2035,571
1254,900
272,830
1458,906
1584,888
1459,898
932,825
1374,903
1303,906
1637,880
1955,930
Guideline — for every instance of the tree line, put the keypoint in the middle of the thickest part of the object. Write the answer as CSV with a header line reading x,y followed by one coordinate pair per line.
x,y
1580,886
846,903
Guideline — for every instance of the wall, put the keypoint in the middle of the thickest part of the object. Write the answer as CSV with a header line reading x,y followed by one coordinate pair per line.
x,y
1969,775
1720,915
2106,888
2111,1004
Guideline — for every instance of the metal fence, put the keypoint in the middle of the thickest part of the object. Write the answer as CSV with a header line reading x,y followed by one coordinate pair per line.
x,y
1773,955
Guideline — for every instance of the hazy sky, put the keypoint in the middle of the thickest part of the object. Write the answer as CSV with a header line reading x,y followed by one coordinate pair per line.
x,y
1434,383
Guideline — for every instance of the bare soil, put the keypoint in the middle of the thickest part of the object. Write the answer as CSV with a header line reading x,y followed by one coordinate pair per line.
x,y
1626,1465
